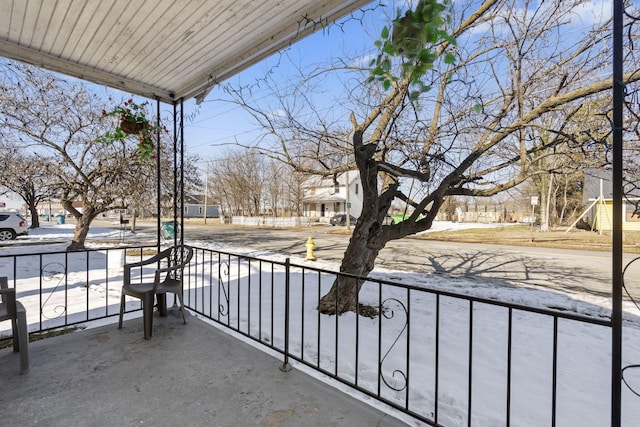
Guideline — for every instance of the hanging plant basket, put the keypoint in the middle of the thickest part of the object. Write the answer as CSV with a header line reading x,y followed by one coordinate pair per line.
x,y
133,122
131,127
408,34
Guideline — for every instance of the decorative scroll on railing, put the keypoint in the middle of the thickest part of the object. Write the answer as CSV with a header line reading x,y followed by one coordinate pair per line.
x,y
53,273
634,387
389,313
223,309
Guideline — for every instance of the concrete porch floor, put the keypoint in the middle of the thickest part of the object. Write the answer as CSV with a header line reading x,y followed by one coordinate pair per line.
x,y
189,375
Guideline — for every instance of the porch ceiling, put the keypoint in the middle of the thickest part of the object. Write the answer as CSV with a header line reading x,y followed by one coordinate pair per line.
x,y
163,49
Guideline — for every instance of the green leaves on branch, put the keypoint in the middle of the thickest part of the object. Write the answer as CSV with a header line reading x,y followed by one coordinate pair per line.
x,y
415,38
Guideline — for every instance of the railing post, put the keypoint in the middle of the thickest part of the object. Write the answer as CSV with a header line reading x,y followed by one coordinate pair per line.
x,y
616,235
286,367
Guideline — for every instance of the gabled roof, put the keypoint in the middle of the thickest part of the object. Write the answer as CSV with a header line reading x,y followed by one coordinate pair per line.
x,y
596,180
601,180
197,199
164,49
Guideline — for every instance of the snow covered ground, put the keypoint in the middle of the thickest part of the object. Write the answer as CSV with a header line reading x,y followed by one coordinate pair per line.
x,y
450,225
583,380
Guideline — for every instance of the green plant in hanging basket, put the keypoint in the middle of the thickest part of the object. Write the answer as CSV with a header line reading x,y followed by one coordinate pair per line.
x,y
133,121
418,37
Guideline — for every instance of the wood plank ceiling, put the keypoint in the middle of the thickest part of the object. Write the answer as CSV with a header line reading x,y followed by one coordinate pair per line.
x,y
160,49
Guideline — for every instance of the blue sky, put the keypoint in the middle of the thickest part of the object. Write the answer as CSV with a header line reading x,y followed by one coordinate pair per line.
x,y
219,124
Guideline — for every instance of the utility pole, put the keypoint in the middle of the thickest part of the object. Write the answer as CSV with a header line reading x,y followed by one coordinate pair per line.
x,y
347,203
206,193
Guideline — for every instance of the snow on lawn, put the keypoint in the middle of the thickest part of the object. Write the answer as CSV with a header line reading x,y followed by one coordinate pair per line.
x,y
48,232
583,380
450,225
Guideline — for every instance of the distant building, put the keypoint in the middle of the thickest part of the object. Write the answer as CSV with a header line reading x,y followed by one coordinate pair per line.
x,y
325,197
598,200
194,207
52,208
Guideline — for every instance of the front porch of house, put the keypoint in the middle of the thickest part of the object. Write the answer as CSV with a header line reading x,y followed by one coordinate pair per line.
x,y
423,362
190,374
196,375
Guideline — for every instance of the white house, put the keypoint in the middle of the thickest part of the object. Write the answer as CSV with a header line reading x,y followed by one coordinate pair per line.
x,y
325,197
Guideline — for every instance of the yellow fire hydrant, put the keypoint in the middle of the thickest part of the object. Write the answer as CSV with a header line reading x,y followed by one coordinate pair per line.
x,y
310,247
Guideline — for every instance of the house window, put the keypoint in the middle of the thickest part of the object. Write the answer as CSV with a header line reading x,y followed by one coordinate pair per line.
x,y
357,189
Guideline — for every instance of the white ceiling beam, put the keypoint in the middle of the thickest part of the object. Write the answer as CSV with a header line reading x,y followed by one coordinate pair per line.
x,y
83,72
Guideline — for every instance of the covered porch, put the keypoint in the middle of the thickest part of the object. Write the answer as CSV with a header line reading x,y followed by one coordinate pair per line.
x,y
190,374
194,375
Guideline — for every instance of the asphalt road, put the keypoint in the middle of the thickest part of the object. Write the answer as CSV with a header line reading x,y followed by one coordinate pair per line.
x,y
569,270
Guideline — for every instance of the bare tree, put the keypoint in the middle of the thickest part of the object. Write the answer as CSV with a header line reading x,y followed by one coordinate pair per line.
x,y
294,191
173,182
574,141
238,181
55,118
472,134
27,175
245,183
283,189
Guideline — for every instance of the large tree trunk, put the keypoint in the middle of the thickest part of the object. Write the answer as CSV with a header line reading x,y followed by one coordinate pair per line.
x,y
80,233
359,259
35,219
83,222
368,238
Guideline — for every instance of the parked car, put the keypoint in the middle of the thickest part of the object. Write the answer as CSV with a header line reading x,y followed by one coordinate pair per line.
x,y
341,219
12,225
